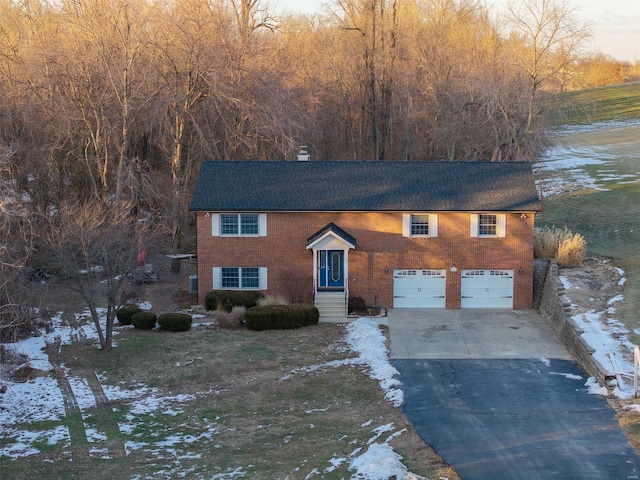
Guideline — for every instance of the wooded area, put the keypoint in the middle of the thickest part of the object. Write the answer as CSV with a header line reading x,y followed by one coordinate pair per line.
x,y
118,101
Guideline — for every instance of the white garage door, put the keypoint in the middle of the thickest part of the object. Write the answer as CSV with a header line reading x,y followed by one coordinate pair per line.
x,y
419,288
487,289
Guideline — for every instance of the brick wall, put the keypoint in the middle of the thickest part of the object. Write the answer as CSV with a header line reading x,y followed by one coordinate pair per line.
x,y
380,249
556,308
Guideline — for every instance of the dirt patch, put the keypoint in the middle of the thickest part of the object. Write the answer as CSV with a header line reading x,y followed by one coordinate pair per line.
x,y
592,285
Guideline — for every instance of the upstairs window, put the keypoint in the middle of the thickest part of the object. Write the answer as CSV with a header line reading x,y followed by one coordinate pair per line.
x,y
249,224
420,225
239,224
229,224
488,225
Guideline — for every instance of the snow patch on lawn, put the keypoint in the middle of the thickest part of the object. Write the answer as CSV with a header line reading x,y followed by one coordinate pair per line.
x,y
365,338
41,399
608,336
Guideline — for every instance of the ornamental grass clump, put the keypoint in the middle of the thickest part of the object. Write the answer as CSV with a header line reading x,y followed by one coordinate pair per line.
x,y
571,251
232,320
560,243
272,300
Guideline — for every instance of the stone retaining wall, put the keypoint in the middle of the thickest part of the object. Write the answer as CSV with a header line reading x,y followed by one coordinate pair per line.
x,y
556,308
540,269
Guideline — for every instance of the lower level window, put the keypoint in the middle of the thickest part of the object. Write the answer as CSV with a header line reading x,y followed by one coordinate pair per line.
x,y
240,277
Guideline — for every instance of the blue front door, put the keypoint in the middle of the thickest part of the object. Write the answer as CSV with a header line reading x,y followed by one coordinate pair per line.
x,y
331,268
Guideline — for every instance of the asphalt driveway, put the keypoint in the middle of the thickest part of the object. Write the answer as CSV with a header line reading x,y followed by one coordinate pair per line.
x,y
496,394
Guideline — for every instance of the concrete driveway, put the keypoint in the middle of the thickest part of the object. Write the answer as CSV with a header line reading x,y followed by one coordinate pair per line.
x,y
471,333
496,394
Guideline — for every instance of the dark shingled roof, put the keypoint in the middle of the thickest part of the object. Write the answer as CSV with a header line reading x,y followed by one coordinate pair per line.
x,y
364,186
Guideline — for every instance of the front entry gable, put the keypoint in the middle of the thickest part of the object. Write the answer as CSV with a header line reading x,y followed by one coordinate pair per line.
x,y
330,237
330,246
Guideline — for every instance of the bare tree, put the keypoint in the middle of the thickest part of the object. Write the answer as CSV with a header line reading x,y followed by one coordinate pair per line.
x,y
93,249
252,15
376,26
116,33
17,309
553,35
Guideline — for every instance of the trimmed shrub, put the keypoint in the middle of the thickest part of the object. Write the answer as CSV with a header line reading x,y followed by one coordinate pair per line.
x,y
231,320
144,320
124,314
175,322
231,298
280,317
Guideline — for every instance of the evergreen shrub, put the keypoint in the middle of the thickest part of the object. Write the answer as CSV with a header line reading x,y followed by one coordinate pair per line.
x,y
175,322
124,314
281,317
231,298
144,320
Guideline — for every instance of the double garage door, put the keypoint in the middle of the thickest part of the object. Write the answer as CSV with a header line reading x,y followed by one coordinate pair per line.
x,y
427,288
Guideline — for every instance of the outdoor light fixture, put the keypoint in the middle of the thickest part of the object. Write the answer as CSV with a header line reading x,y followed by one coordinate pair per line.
x,y
520,270
523,215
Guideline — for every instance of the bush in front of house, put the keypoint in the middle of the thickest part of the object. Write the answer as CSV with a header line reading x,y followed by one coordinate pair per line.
x,y
124,314
357,304
144,320
231,320
231,298
175,322
281,317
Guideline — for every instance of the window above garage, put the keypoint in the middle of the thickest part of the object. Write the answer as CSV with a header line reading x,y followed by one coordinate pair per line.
x,y
488,225
420,225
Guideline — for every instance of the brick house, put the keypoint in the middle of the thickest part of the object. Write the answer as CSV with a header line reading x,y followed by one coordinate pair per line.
x,y
397,234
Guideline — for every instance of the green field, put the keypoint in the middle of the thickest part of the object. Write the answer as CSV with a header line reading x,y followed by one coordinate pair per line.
x,y
617,102
593,172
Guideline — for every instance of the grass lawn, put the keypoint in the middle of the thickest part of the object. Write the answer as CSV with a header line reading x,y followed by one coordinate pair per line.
x,y
599,171
615,102
217,404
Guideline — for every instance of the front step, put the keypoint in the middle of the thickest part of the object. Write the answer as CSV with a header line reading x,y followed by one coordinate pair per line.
x,y
331,304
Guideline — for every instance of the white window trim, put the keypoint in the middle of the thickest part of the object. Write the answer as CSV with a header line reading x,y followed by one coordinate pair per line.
x,y
501,226
262,279
433,225
216,222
